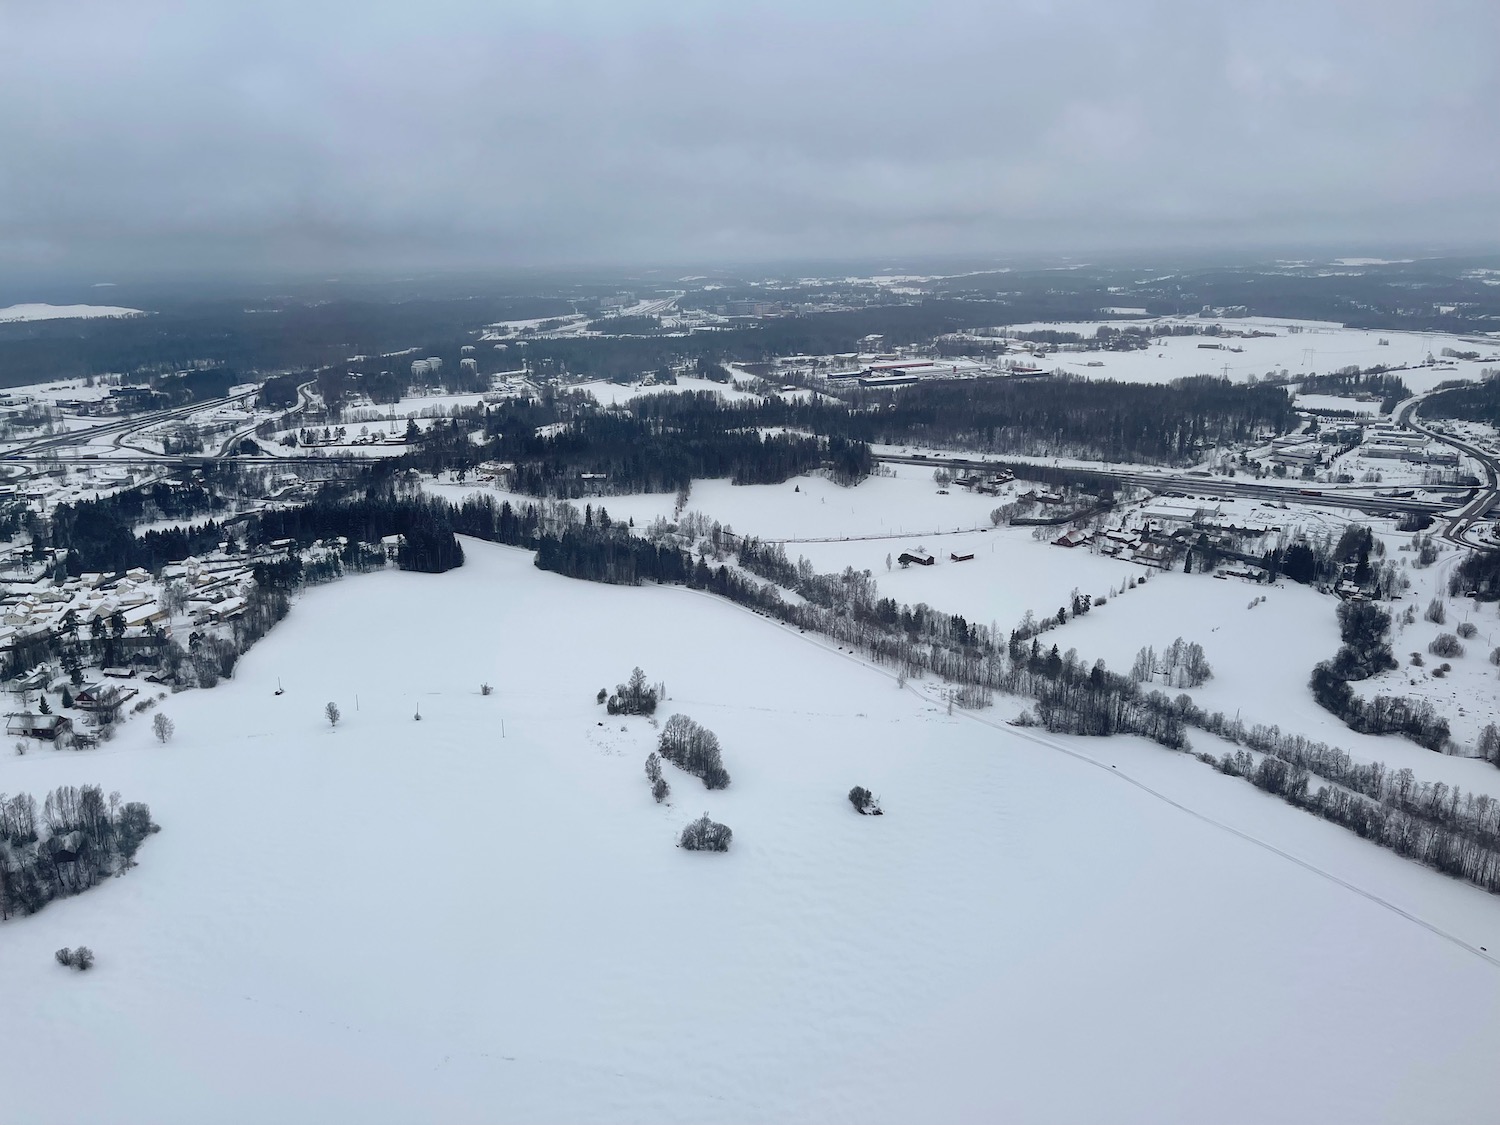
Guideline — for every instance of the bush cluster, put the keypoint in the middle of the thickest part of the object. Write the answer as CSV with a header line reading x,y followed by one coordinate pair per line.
x,y
705,835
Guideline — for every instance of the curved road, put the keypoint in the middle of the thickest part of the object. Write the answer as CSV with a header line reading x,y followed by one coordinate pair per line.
x,y
1460,523
1323,495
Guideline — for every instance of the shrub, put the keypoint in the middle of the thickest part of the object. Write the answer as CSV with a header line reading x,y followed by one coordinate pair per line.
x,y
705,835
1435,612
486,689
1466,630
602,696
1445,644
660,790
1417,661
1495,656
81,958
864,801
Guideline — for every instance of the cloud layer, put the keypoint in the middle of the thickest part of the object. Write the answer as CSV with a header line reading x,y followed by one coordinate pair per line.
x,y
156,134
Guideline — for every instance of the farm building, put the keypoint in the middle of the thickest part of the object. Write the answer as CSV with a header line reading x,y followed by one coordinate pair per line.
x,y
27,725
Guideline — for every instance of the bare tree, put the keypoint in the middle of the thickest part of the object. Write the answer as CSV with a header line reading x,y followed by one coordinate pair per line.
x,y
332,714
164,728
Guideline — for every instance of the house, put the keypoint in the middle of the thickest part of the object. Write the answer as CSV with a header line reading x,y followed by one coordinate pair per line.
x,y
228,609
27,725
907,558
1074,538
95,698
33,680
1158,555
1043,497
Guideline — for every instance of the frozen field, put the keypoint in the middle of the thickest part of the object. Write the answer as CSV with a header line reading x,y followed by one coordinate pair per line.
x,y
403,921
1315,346
801,509
616,394
1336,402
14,313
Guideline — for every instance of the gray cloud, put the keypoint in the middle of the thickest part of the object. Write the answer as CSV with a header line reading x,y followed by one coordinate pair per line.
x,y
160,134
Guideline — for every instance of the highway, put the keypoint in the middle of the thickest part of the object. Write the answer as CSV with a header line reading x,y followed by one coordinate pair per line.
x,y
1224,487
1460,524
44,448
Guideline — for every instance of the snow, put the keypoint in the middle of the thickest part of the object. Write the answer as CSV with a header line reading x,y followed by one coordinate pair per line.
x,y
1297,346
1337,402
617,394
395,921
62,312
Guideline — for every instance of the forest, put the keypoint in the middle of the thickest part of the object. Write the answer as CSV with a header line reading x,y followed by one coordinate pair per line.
x,y
274,334
1068,415
1470,402
567,448
661,442
78,838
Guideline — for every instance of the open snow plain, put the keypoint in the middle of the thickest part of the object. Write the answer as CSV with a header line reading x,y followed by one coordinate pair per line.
x,y
1296,347
400,920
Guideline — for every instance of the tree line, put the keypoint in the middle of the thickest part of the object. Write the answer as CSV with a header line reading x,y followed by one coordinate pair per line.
x,y
1364,629
79,837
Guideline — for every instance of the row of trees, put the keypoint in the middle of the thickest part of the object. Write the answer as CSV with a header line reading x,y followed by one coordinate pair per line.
x,y
79,837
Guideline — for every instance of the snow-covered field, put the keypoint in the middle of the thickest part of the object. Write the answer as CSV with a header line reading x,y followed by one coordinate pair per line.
x,y
14,313
1336,402
1298,347
906,504
1262,657
402,921
617,394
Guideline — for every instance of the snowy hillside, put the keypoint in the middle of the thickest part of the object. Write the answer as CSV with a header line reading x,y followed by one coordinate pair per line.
x,y
398,920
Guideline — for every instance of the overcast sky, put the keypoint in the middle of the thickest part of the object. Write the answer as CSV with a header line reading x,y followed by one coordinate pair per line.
x,y
150,134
